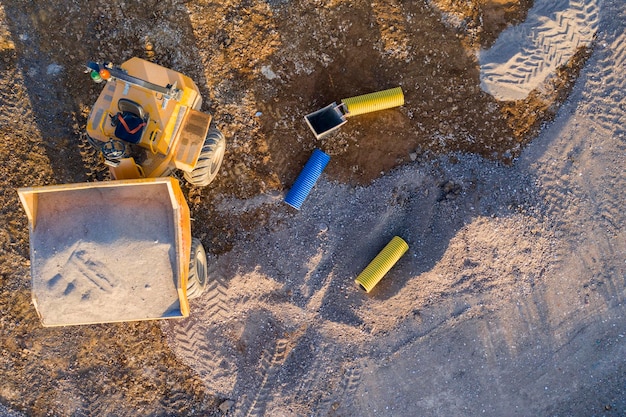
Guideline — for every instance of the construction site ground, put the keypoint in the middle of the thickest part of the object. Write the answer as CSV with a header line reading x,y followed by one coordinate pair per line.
x,y
510,300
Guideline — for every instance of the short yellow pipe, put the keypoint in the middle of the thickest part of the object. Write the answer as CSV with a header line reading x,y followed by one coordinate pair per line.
x,y
382,263
368,103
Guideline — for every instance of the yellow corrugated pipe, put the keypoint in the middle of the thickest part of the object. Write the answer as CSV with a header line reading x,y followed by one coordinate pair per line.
x,y
379,100
382,263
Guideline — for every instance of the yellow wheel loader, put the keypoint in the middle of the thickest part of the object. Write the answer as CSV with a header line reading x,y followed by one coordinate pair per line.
x,y
147,123
122,250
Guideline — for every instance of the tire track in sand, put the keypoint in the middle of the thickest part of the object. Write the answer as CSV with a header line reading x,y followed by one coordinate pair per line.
x,y
578,178
199,343
609,108
524,56
269,367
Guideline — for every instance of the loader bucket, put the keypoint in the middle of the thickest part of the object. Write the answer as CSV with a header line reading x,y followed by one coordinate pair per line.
x,y
108,252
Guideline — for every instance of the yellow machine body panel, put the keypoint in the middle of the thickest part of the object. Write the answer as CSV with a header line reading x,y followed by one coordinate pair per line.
x,y
193,132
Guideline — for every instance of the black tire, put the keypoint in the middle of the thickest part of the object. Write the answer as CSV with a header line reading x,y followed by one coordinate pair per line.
x,y
198,276
210,159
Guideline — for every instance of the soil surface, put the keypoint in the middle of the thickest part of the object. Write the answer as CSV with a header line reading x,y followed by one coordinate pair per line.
x,y
510,300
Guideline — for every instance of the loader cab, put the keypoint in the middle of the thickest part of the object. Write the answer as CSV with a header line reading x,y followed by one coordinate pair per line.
x,y
149,114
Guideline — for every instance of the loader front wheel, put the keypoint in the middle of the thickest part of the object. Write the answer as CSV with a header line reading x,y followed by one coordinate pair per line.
x,y
210,159
198,276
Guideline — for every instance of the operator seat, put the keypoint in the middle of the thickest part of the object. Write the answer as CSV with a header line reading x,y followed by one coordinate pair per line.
x,y
130,121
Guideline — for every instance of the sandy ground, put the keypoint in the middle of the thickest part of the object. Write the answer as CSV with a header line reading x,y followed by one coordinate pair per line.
x,y
510,300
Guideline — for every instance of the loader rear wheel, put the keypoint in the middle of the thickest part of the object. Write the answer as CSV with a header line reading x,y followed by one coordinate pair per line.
x,y
198,276
210,159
